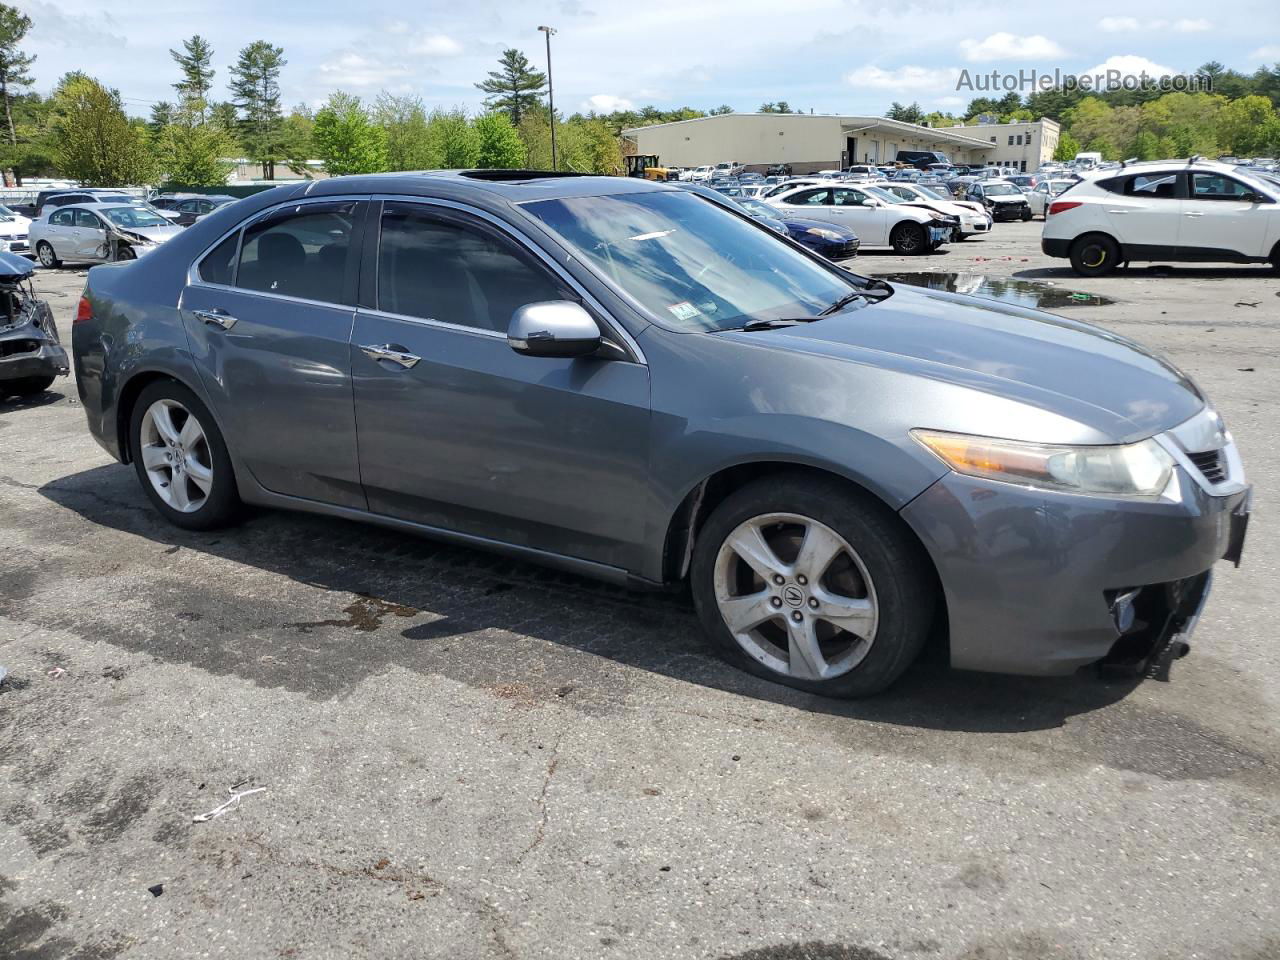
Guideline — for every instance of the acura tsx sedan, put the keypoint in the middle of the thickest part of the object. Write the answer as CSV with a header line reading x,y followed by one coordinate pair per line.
x,y
619,378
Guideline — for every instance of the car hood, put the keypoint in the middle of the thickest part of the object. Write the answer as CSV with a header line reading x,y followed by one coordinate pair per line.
x,y
1079,373
155,234
14,268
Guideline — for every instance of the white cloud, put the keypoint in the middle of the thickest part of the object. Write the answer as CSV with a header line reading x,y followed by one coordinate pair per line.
x,y
1266,54
903,78
1007,46
435,45
351,70
945,102
606,103
1130,65
1192,26
1118,24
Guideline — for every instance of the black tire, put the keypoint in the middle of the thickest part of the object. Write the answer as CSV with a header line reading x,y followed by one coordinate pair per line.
x,y
904,584
1094,255
1026,215
909,239
125,252
27,386
46,256
221,506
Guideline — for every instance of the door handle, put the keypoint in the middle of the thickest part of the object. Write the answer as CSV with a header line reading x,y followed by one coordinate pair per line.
x,y
216,318
1117,211
393,352
1189,213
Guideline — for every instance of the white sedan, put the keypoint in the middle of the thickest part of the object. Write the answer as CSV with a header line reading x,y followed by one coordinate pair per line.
x,y
1042,194
878,220
974,219
14,228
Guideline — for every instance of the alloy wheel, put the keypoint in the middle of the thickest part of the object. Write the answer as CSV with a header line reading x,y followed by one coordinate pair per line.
x,y
175,453
45,253
796,596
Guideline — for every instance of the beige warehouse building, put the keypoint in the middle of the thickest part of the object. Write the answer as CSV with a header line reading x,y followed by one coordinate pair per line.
x,y
811,142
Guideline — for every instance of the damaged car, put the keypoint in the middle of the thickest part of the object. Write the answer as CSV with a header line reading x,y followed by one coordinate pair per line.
x,y
31,356
98,233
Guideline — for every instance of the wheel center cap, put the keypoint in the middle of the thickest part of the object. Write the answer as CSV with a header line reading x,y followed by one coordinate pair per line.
x,y
793,595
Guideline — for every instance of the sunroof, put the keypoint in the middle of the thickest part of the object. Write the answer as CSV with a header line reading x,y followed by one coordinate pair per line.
x,y
519,174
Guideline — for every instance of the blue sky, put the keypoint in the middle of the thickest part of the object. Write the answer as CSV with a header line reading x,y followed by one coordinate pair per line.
x,y
834,56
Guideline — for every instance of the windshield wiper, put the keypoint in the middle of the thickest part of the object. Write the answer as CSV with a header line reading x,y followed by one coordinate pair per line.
x,y
874,290
774,324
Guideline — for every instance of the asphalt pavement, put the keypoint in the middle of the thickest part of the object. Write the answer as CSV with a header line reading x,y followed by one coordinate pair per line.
x,y
464,756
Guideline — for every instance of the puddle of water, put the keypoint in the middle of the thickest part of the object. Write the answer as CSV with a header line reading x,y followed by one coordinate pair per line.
x,y
1024,293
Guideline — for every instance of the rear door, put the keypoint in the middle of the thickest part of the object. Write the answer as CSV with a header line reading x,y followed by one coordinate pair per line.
x,y
1219,214
461,432
59,232
268,313
1144,210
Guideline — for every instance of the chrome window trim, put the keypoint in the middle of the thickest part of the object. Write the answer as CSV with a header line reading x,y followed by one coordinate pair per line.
x,y
431,322
506,230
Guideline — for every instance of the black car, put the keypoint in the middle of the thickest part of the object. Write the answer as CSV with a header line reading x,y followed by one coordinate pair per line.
x,y
31,355
191,209
779,170
1003,199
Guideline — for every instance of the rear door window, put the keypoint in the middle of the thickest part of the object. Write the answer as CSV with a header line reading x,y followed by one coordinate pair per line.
x,y
1159,186
63,218
301,251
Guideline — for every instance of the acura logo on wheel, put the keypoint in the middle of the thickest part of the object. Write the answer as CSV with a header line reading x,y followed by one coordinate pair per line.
x,y
793,596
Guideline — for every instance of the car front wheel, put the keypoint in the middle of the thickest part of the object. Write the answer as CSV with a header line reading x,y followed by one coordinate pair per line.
x,y
813,584
908,239
46,256
181,458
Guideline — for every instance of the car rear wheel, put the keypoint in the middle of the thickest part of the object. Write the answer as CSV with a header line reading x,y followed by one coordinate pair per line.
x,y
181,459
908,239
1094,255
812,584
46,256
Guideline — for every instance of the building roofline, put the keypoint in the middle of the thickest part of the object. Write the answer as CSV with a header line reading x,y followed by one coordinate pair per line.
x,y
939,133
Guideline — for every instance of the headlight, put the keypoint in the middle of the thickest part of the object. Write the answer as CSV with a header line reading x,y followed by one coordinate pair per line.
x,y
1139,469
935,215
825,234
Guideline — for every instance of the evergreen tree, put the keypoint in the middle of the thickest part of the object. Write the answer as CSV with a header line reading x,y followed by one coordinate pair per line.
x,y
514,87
162,114
255,88
15,65
195,62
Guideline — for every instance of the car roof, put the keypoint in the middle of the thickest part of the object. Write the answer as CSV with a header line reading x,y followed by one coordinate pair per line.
x,y
98,205
512,186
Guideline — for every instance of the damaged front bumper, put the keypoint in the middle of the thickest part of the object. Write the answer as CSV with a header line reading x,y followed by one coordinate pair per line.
x,y
29,345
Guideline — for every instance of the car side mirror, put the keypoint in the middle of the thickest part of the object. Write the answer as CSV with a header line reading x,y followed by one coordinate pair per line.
x,y
1258,198
553,328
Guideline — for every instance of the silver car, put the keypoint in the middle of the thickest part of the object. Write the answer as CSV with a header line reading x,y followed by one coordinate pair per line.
x,y
98,233
621,378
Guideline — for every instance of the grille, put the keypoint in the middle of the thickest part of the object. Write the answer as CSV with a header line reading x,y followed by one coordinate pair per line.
x,y
1211,464
10,348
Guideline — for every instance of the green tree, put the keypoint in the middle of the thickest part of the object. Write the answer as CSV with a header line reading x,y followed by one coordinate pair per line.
x,y
1103,146
514,87
720,110
780,107
911,114
297,146
405,121
1146,146
1067,148
162,114
499,143
93,141
1247,127
192,153
15,66
224,115
452,142
347,139
255,90
196,63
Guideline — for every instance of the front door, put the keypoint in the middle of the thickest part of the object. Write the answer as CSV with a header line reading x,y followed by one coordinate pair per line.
x,y
863,214
268,317
463,433
1219,214
91,237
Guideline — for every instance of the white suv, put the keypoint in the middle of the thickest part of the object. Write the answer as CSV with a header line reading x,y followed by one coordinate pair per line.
x,y
1169,210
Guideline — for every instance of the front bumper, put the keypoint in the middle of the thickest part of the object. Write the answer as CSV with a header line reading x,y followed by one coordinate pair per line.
x,y
1030,576
1009,211
22,356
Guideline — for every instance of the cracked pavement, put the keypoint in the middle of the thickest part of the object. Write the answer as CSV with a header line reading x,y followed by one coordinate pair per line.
x,y
467,756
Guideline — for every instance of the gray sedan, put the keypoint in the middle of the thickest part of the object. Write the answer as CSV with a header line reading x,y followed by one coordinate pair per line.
x,y
618,378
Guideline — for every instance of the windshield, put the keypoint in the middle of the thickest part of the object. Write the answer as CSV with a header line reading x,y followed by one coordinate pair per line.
x,y
134,217
6,212
758,209
693,265
1002,190
884,194
1058,186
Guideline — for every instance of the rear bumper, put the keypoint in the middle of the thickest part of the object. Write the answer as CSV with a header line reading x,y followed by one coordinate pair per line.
x,y
1030,577
1055,247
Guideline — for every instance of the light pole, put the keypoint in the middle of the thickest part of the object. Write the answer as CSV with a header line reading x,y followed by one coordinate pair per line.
x,y
551,96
